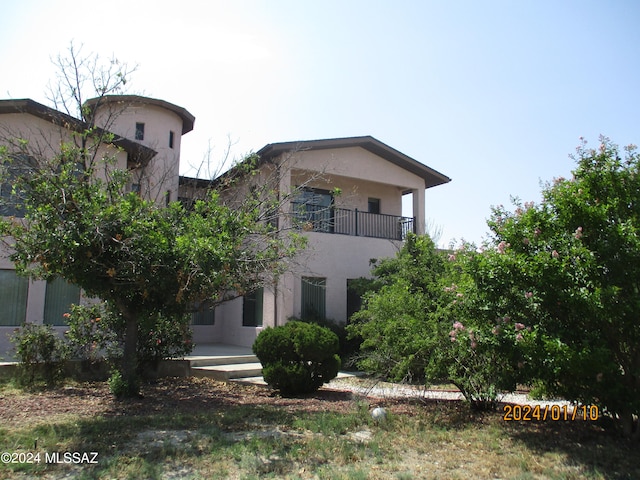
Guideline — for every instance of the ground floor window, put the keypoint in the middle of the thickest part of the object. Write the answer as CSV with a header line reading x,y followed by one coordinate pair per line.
x,y
252,308
59,296
13,295
204,315
354,299
313,298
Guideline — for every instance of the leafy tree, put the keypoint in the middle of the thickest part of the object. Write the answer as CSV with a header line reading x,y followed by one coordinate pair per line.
x,y
424,322
571,267
147,261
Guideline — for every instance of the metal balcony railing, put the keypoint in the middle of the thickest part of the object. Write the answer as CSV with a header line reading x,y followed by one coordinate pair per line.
x,y
342,221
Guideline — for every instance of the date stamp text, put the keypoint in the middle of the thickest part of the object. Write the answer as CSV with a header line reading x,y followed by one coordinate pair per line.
x,y
555,413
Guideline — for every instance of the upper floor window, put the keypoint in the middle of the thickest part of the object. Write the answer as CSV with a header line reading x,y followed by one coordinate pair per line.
x,y
11,198
374,205
171,136
139,131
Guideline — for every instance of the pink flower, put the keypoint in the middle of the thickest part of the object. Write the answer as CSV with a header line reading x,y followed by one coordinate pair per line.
x,y
578,233
519,326
555,254
496,330
66,315
474,344
502,246
458,326
519,337
537,232
453,339
459,295
452,258
526,241
528,295
506,319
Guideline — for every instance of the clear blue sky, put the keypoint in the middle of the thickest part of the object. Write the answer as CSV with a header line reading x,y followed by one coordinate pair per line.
x,y
494,94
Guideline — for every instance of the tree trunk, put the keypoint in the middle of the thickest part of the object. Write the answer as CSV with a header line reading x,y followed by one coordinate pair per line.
x,y
129,364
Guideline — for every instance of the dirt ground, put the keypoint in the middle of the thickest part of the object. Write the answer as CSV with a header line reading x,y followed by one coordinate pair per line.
x,y
169,394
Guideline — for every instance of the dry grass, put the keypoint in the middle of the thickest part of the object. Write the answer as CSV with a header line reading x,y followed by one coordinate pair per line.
x,y
196,428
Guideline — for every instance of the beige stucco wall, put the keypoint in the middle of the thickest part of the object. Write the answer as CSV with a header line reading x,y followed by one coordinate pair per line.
x,y
162,175
45,139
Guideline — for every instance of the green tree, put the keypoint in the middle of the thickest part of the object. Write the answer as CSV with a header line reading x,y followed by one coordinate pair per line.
x,y
424,322
571,266
147,261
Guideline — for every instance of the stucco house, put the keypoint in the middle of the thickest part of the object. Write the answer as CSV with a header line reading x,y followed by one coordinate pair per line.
x,y
349,205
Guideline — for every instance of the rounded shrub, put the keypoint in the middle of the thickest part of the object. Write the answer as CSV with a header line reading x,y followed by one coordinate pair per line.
x,y
297,357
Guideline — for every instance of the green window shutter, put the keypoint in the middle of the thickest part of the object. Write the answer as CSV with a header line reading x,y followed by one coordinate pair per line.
x,y
252,308
313,298
59,296
13,295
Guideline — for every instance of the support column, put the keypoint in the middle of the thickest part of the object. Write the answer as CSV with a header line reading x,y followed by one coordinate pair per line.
x,y
419,210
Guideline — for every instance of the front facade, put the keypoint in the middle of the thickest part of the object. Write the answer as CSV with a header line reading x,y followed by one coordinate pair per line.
x,y
348,202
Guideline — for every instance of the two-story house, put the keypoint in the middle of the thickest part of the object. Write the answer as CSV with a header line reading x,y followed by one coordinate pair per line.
x,y
348,203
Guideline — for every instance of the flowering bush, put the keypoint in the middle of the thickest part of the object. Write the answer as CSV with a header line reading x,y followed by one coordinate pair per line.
x,y
575,260
90,336
93,334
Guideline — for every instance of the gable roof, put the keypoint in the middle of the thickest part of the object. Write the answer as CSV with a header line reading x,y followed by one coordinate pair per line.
x,y
430,176
26,105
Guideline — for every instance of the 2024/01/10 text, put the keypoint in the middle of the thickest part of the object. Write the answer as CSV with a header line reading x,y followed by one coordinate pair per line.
x,y
555,413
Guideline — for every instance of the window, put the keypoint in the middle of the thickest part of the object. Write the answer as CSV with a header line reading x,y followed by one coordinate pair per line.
x,y
139,131
313,298
354,300
204,317
171,139
374,205
252,308
11,199
313,210
13,292
59,296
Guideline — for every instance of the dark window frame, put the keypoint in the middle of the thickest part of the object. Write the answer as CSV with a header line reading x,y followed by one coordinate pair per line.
x,y
139,135
253,308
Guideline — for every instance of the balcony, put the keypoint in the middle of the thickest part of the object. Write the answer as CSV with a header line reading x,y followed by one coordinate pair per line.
x,y
342,221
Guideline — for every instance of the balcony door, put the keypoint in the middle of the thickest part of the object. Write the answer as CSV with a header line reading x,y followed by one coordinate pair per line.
x,y
314,210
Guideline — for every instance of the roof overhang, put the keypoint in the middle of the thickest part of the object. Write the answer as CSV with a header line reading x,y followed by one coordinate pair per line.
x,y
187,118
430,176
31,107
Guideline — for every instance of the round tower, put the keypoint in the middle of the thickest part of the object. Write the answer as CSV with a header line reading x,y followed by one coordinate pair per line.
x,y
155,124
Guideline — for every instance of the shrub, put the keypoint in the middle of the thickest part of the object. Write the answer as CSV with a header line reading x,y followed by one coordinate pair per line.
x,y
120,388
348,345
93,335
40,352
298,357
